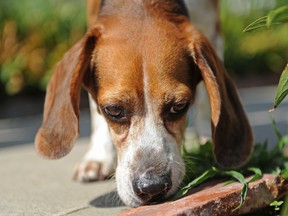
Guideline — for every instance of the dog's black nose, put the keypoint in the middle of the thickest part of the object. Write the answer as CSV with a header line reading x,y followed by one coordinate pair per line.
x,y
152,187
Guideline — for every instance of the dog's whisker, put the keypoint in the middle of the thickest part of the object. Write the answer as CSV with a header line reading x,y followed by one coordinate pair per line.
x,y
180,167
112,175
189,157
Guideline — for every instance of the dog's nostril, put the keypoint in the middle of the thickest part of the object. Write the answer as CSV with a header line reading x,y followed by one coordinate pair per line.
x,y
151,186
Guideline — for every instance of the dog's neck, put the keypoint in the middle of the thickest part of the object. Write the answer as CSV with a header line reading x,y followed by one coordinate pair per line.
x,y
143,8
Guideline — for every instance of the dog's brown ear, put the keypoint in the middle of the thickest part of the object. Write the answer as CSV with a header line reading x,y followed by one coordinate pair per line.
x,y
60,126
231,131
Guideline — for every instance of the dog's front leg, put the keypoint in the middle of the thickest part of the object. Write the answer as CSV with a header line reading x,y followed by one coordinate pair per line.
x,y
100,160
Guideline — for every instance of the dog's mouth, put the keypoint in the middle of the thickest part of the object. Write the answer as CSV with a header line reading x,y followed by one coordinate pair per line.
x,y
155,199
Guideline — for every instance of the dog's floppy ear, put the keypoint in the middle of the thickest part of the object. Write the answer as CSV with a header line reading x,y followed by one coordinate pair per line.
x,y
231,132
60,126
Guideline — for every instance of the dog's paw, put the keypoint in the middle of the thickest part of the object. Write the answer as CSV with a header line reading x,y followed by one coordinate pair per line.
x,y
89,170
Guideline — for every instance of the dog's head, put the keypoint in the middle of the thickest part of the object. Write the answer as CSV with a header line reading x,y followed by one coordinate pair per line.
x,y
143,73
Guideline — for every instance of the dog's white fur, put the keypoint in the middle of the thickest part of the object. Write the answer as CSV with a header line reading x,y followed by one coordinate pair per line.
x,y
157,142
102,152
151,142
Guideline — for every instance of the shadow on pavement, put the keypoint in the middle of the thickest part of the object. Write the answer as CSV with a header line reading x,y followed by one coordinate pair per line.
x,y
109,200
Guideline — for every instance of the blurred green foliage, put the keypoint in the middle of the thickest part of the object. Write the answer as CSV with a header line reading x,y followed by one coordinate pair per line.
x,y
34,35
257,52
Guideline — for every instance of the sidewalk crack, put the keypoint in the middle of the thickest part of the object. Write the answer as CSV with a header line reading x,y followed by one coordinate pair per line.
x,y
73,210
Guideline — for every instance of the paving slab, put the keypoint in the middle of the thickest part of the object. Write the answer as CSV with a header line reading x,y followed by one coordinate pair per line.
x,y
31,185
217,198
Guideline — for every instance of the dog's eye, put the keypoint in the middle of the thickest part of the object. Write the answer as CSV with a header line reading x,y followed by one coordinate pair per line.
x,y
115,113
175,111
178,108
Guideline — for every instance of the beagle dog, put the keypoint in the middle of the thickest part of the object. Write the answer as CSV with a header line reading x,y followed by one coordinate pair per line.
x,y
141,62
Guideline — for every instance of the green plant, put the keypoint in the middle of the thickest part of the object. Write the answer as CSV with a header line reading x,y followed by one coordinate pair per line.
x,y
275,17
201,166
277,204
282,88
259,52
34,35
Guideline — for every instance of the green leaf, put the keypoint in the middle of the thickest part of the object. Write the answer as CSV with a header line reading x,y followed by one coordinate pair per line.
x,y
277,131
228,182
276,171
284,174
277,204
239,177
284,171
243,195
257,172
283,142
259,23
206,175
274,17
282,89
277,15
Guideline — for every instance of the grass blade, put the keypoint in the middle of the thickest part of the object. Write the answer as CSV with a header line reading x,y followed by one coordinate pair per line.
x,y
228,182
240,178
206,175
277,15
274,17
237,175
257,174
276,130
243,195
282,89
259,23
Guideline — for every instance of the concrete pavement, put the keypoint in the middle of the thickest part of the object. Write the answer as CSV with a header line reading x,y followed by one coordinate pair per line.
x,y
30,185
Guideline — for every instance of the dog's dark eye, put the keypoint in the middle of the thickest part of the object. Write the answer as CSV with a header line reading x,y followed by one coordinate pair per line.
x,y
178,108
175,111
115,113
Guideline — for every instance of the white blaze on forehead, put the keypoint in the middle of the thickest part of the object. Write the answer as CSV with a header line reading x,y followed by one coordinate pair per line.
x,y
153,134
146,87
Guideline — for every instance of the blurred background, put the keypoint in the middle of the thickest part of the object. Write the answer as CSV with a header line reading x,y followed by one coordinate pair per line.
x,y
35,34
